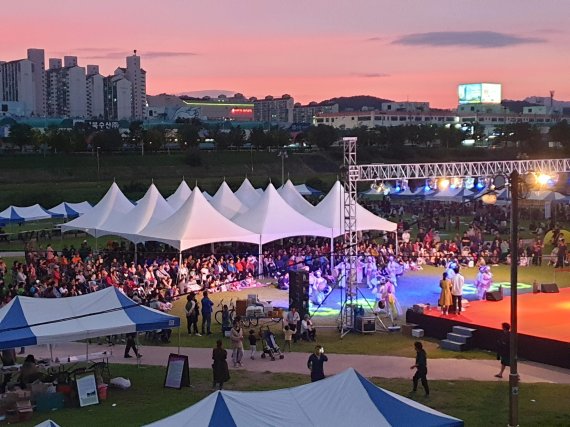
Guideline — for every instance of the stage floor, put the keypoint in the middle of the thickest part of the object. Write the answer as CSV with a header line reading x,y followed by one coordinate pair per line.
x,y
540,315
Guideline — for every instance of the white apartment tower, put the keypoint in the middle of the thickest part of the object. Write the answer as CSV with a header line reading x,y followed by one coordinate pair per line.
x,y
37,57
66,89
137,76
95,92
17,85
118,94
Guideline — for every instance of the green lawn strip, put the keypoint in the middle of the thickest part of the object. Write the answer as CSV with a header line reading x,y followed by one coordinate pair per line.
x,y
477,403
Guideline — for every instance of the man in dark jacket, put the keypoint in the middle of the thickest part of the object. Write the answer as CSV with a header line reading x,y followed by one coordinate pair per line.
x,y
316,363
421,368
207,308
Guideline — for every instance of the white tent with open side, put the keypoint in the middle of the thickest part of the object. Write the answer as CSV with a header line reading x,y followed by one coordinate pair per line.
x,y
196,223
345,399
151,209
294,198
272,218
330,213
26,321
22,214
226,202
177,199
113,203
69,210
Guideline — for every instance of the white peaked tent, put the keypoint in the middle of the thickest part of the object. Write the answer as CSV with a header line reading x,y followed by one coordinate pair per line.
x,y
28,213
226,202
546,196
247,194
294,198
66,210
451,195
305,190
207,195
151,209
330,213
113,203
345,399
272,218
176,199
196,223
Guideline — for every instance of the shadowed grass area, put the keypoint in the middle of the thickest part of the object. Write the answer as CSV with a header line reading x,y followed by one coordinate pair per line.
x,y
477,403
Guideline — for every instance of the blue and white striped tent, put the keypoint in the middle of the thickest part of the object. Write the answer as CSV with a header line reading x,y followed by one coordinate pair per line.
x,y
21,214
346,399
26,321
47,423
69,210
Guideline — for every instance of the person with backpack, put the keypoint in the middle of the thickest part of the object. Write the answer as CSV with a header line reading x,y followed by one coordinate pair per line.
x,y
192,309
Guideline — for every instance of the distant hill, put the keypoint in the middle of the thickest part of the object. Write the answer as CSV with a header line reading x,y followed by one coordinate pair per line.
x,y
356,103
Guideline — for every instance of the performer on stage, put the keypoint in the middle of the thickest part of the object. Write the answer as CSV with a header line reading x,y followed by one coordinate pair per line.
x,y
387,293
394,269
360,269
371,270
483,281
320,288
450,268
340,273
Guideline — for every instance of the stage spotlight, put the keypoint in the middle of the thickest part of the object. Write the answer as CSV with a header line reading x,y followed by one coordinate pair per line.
x,y
443,184
456,183
480,184
469,182
543,179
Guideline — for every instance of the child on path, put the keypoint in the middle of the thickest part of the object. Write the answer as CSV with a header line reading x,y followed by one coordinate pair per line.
x,y
288,337
252,344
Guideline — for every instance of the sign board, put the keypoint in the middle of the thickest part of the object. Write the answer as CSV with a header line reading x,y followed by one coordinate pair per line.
x,y
479,93
177,372
87,390
103,124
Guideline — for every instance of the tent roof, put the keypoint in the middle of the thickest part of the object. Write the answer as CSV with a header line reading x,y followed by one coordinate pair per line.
x,y
305,190
151,209
274,219
247,194
196,223
294,198
226,202
47,423
176,199
28,213
113,202
66,210
28,321
330,213
344,399
546,195
451,194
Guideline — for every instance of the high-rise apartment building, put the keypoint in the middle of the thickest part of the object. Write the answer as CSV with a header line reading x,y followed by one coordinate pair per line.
x,y
137,76
66,89
274,110
118,94
95,93
37,57
17,85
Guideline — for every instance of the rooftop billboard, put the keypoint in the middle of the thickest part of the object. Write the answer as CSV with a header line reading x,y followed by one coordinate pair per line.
x,y
479,93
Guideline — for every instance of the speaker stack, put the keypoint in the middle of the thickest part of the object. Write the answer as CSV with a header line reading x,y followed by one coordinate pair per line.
x,y
549,288
494,296
299,291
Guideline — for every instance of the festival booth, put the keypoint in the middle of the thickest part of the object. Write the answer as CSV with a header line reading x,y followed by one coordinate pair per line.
x,y
177,199
307,191
24,214
226,202
346,399
290,194
247,194
113,203
451,195
70,210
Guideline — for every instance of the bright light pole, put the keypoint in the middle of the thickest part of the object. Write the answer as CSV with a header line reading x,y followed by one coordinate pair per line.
x,y
283,154
98,164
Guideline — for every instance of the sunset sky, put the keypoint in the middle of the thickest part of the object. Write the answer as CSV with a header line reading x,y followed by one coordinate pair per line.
x,y
313,49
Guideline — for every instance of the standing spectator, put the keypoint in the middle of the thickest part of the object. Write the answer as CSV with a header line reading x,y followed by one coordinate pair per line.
x,y
252,343
293,320
457,290
445,295
191,309
307,329
316,363
561,257
236,337
226,320
421,368
503,349
220,369
131,344
207,308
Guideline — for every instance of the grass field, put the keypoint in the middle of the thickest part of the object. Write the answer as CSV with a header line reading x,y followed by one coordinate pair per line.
x,y
477,403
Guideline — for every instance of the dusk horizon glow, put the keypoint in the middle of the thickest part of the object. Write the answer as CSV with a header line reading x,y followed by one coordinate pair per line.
x,y
417,50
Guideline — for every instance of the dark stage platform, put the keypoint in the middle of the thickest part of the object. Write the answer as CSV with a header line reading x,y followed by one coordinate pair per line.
x,y
543,324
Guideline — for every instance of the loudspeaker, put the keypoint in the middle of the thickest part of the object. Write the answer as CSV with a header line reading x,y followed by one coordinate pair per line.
x,y
494,296
549,288
299,291
365,324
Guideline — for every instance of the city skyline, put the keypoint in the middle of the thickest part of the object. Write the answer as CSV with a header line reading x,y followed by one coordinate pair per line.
x,y
418,50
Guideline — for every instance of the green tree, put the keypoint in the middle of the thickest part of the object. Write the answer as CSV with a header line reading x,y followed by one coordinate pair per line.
x,y
22,134
322,136
154,139
189,134
257,138
108,140
560,132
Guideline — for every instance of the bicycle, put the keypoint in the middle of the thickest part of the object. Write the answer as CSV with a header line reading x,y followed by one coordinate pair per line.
x,y
231,309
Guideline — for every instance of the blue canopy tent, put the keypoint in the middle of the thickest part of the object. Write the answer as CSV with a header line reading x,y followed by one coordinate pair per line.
x,y
69,210
27,321
9,216
346,399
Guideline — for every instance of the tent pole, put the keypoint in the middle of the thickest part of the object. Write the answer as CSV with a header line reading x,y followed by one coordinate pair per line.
x,y
260,261
51,352
136,257
332,253
396,249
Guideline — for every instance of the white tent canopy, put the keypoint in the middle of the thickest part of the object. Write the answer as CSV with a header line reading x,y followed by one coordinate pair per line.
x,y
345,399
196,223
451,195
28,213
305,190
176,199
113,203
247,194
546,195
294,198
272,218
65,209
330,213
226,202
151,209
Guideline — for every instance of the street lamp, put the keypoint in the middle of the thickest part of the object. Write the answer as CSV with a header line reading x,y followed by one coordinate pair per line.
x,y
98,165
283,154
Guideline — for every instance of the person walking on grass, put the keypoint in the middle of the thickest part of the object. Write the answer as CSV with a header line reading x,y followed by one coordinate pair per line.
x,y
421,368
503,349
316,363
220,370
